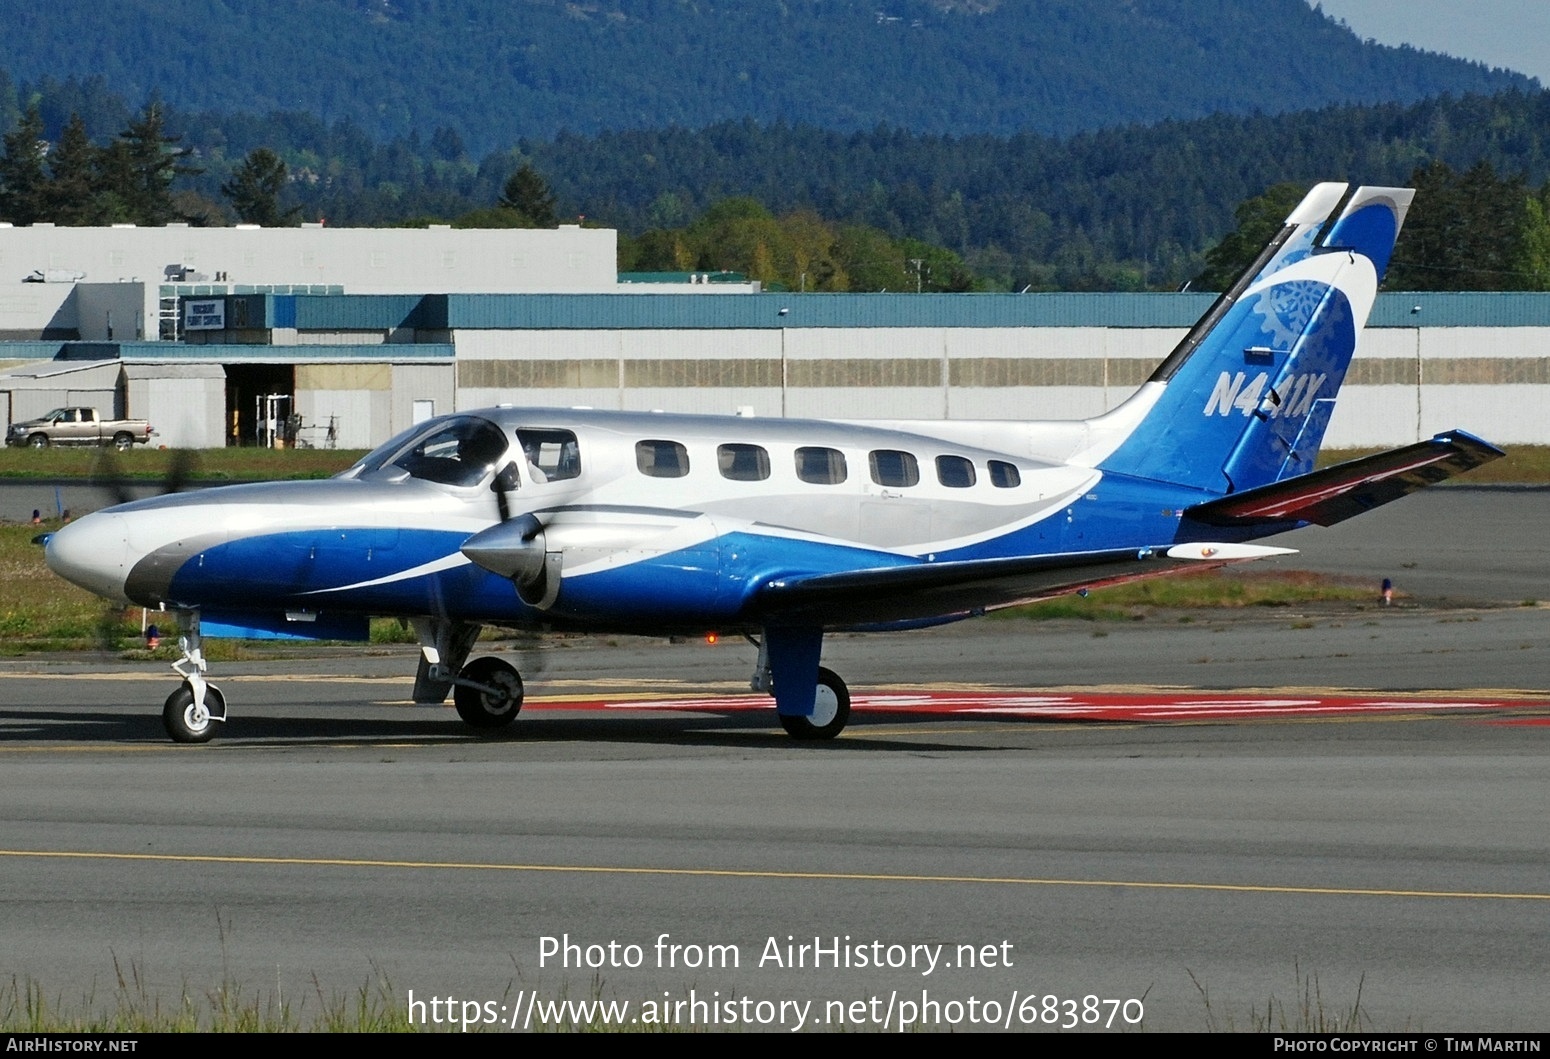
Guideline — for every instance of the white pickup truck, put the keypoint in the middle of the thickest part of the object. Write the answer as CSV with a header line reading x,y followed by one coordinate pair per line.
x,y
79,426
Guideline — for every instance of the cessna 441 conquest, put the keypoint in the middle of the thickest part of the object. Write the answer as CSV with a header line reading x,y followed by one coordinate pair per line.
x,y
784,529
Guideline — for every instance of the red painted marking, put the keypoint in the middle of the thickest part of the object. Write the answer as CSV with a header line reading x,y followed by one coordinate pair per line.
x,y
1083,706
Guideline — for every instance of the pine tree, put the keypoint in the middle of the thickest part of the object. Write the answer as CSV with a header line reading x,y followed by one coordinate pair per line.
x,y
71,195
141,175
1467,231
528,193
22,178
254,190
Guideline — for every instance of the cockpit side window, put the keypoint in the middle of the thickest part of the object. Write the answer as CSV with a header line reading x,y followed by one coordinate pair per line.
x,y
458,451
553,454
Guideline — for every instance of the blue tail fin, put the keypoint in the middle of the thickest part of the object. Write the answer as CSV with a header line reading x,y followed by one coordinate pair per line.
x,y
1244,400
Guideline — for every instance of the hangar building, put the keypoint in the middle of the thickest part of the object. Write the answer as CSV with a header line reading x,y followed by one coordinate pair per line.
x,y
535,317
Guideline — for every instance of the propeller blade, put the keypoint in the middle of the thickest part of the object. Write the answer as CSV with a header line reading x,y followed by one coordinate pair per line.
x,y
109,477
504,481
182,466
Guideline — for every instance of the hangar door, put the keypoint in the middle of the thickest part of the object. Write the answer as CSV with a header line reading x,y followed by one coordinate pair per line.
x,y
247,388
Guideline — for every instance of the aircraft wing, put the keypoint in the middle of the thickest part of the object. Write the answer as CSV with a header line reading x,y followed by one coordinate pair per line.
x,y
1346,489
936,590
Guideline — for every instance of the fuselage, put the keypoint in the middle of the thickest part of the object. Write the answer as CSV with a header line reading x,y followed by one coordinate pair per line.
x,y
656,520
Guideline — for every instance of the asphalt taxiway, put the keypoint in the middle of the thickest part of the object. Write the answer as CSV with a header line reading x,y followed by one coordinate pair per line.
x,y
1293,808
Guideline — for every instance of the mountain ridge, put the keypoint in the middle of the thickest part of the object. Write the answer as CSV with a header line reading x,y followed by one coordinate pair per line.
x,y
495,72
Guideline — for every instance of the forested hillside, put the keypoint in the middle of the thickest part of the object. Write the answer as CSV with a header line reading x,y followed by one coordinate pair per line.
x,y
493,71
1128,208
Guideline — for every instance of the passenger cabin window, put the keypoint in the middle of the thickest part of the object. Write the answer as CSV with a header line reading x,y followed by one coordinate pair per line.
x,y
1004,475
459,451
821,466
891,467
552,455
661,459
743,463
955,472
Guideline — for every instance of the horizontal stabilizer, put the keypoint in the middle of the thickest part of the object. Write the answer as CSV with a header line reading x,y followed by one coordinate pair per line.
x,y
1337,493
929,590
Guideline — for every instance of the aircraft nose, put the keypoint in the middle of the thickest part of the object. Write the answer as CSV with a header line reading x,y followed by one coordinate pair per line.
x,y
92,552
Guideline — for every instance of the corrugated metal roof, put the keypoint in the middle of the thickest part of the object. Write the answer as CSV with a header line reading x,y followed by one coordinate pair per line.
x,y
53,369
355,312
763,311
29,350
1461,309
85,354
396,352
173,371
774,311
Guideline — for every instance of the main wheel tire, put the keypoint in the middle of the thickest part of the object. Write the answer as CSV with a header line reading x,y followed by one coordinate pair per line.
x,y
38,441
489,709
831,710
185,723
123,441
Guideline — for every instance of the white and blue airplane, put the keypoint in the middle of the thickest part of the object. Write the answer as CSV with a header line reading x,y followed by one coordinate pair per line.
x,y
783,529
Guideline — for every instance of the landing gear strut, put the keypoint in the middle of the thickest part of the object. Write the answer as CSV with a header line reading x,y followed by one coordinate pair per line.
x,y
788,661
190,712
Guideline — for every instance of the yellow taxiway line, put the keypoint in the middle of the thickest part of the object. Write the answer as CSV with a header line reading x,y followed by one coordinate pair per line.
x,y
740,873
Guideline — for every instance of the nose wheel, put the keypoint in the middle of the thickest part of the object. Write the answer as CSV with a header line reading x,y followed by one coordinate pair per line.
x,y
190,719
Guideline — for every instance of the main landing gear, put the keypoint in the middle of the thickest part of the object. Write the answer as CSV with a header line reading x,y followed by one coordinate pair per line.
x,y
487,691
831,710
812,702
190,712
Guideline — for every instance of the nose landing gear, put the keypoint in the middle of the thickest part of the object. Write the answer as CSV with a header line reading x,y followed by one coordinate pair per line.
x,y
190,712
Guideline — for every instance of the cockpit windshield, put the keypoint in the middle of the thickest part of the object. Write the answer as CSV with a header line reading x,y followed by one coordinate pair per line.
x,y
459,450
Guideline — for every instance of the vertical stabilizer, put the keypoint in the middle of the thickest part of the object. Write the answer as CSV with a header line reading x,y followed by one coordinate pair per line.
x,y
1244,400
